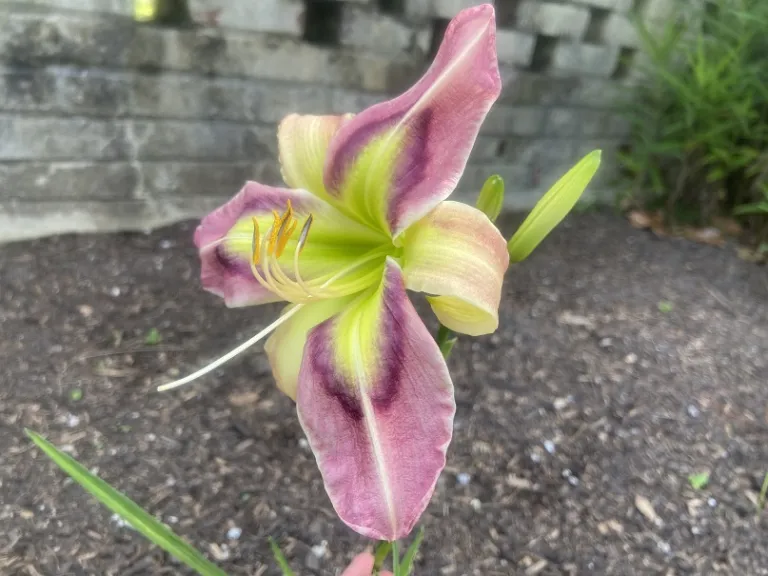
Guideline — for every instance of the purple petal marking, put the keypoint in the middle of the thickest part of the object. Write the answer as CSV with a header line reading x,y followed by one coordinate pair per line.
x,y
229,275
380,444
440,117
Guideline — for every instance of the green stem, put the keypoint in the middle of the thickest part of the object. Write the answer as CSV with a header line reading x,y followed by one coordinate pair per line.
x,y
395,559
382,551
446,340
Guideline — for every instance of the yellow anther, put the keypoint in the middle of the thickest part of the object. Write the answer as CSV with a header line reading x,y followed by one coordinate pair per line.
x,y
304,234
274,232
285,235
288,214
255,243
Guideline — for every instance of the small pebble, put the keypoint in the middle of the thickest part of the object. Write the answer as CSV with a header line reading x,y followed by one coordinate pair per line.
x,y
536,457
151,437
72,420
173,519
165,244
711,502
630,358
320,550
696,530
573,480
561,403
463,478
664,546
234,533
693,411
606,342
119,522
549,446
311,561
303,444
115,291
476,504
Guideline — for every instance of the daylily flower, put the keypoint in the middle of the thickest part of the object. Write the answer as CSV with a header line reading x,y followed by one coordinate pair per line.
x,y
364,220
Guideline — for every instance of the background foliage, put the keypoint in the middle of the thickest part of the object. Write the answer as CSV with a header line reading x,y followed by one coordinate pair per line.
x,y
699,116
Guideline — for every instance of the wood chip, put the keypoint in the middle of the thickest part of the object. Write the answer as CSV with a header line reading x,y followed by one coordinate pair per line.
x,y
114,372
244,399
646,509
519,483
610,526
570,319
536,568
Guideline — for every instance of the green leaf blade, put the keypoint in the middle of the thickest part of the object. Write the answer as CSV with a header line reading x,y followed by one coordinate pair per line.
x,y
410,554
280,558
143,522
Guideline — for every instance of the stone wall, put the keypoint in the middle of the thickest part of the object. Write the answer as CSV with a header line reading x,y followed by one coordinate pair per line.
x,y
108,123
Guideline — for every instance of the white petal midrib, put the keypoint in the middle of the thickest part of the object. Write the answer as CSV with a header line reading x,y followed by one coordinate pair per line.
x,y
373,433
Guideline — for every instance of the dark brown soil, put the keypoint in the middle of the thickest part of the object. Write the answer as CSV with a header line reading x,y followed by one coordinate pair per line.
x,y
624,363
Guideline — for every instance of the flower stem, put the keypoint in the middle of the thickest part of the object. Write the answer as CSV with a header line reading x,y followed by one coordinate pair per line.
x,y
446,340
395,559
381,553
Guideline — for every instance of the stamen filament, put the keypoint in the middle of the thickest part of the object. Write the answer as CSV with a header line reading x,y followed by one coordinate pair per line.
x,y
231,354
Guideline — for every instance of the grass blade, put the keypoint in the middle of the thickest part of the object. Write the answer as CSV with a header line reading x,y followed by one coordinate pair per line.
x,y
410,554
144,523
280,559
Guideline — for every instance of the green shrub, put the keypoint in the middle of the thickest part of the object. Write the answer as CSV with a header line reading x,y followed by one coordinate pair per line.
x,y
699,115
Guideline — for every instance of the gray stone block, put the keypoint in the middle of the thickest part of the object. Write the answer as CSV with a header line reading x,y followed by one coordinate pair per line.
x,y
21,219
523,87
346,101
597,93
522,150
34,40
63,91
618,125
177,96
207,141
562,122
594,123
277,100
622,6
45,138
514,47
449,8
518,120
541,151
276,16
515,176
587,59
185,179
657,11
487,149
46,181
552,19
122,7
363,27
618,30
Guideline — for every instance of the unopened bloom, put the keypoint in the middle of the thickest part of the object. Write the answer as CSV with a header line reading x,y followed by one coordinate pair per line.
x,y
364,220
